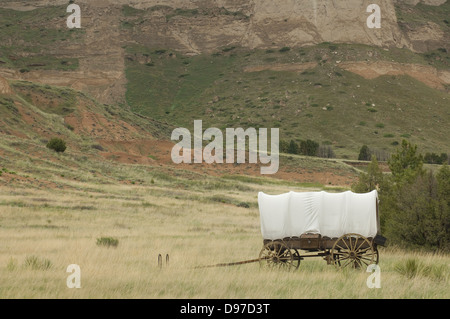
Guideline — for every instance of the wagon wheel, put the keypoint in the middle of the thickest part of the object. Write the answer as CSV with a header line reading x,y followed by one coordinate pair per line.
x,y
296,258
354,251
277,255
377,255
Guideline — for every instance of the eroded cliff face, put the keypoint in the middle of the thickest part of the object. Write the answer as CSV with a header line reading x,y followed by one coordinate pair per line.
x,y
205,26
267,22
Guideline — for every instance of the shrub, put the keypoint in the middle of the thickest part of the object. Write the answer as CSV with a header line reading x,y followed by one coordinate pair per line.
x,y
98,147
433,158
107,241
57,144
411,268
35,263
228,49
285,49
243,204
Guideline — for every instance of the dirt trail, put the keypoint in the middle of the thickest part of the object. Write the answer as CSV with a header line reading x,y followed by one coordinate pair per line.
x,y
428,75
4,87
294,67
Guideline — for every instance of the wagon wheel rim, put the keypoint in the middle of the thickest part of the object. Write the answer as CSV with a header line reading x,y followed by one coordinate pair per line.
x,y
277,255
296,259
377,254
353,251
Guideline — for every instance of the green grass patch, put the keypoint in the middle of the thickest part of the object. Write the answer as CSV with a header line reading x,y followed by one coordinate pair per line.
x,y
107,242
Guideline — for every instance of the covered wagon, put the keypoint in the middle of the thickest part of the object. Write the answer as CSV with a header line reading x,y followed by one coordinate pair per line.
x,y
343,228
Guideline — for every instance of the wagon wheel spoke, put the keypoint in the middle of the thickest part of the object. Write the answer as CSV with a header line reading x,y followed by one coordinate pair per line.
x,y
367,263
345,243
277,255
354,256
369,258
362,242
365,249
359,262
341,248
365,260
349,261
350,243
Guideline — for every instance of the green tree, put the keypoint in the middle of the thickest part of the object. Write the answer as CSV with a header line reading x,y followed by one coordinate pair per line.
x,y
293,147
443,180
443,186
406,164
309,147
422,217
373,179
284,146
364,153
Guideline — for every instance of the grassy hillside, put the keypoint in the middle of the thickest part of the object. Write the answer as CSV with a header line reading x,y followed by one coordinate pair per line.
x,y
324,103
38,39
419,15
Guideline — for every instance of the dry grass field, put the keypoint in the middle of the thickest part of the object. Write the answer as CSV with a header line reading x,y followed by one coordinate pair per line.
x,y
43,230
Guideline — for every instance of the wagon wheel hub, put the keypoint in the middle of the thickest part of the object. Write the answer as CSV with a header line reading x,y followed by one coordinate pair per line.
x,y
278,255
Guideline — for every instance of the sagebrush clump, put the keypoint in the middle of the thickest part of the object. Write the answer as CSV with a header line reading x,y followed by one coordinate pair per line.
x,y
107,241
57,144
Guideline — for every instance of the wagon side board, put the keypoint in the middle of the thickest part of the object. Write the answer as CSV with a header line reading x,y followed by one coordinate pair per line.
x,y
313,242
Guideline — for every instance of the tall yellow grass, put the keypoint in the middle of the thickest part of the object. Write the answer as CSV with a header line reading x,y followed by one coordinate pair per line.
x,y
61,227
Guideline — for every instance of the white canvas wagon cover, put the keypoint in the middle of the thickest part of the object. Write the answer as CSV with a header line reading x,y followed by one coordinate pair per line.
x,y
329,214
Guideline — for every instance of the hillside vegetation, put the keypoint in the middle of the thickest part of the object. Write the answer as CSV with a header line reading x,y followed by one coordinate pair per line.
x,y
342,95
306,92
